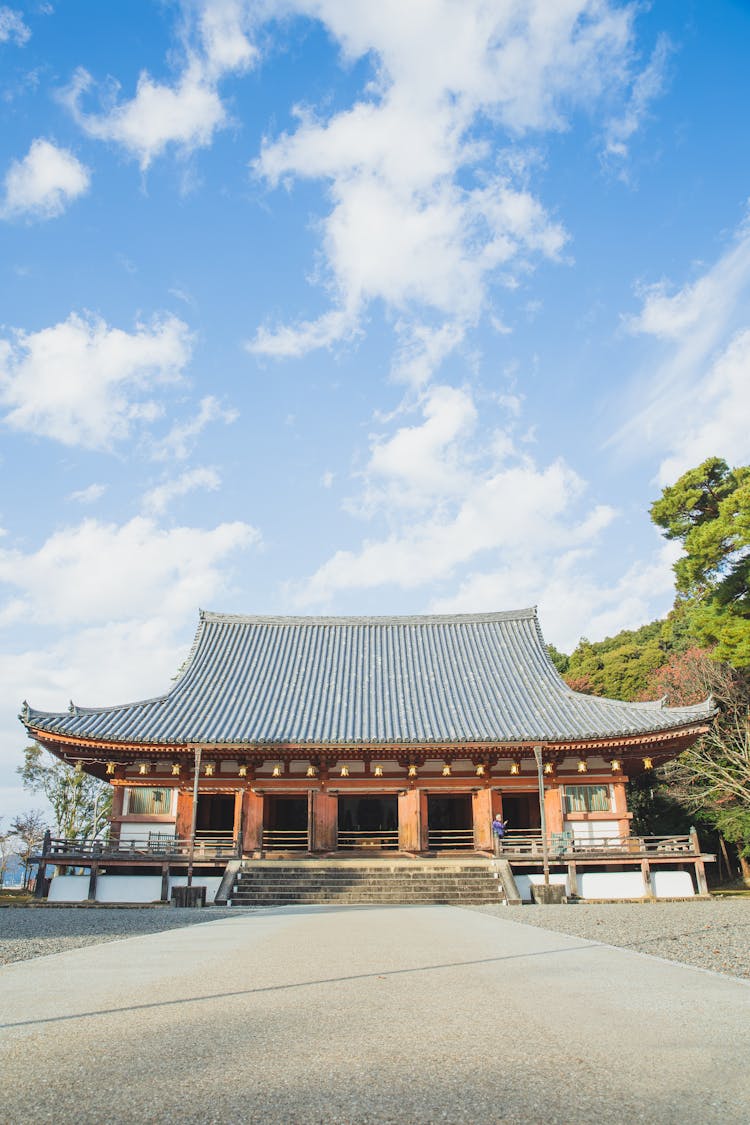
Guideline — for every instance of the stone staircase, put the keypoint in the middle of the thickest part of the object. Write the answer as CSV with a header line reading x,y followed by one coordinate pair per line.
x,y
281,883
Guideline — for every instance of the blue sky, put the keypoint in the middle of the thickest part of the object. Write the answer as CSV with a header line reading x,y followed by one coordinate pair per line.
x,y
325,306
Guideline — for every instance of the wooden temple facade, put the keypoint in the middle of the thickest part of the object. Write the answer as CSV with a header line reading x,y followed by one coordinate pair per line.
x,y
322,736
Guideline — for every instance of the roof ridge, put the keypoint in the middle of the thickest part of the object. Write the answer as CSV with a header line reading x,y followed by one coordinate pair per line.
x,y
369,619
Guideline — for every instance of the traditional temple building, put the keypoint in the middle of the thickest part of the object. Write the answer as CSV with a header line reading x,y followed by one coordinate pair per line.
x,y
333,735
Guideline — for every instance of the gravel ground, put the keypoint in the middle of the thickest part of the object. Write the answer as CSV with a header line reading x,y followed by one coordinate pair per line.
x,y
27,932
711,935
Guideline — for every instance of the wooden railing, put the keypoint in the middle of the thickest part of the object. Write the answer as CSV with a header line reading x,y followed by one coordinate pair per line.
x,y
449,839
285,840
158,845
383,839
565,844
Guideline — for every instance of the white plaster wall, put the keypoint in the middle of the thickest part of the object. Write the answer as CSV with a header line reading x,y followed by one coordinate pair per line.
x,y
124,888
611,884
128,888
68,888
672,884
615,884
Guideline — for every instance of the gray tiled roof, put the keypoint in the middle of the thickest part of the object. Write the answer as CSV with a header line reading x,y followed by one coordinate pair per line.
x,y
363,680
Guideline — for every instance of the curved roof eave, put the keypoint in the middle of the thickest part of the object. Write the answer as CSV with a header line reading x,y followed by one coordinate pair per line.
x,y
471,678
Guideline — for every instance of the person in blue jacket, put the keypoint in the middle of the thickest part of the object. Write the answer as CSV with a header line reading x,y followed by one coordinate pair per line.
x,y
498,831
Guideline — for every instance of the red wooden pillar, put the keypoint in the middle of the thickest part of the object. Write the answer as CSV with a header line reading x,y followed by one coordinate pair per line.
x,y
482,812
620,807
118,799
252,815
412,820
553,810
237,825
184,816
325,822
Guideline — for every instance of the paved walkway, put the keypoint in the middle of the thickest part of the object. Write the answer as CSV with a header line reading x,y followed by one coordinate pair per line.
x,y
369,1014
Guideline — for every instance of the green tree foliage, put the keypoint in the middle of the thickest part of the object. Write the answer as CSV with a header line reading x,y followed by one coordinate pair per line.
x,y
708,511
618,667
80,804
559,659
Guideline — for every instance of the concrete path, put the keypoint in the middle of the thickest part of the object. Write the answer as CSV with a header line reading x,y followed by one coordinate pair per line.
x,y
369,1014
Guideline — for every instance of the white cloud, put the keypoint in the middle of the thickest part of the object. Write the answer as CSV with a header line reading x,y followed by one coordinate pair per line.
x,y
572,602
110,610
717,423
85,383
44,183
94,572
694,401
449,500
427,461
187,112
287,342
421,215
422,349
88,495
12,27
179,442
158,499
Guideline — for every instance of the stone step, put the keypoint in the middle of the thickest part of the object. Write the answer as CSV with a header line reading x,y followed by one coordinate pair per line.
x,y
286,884
360,900
364,882
364,875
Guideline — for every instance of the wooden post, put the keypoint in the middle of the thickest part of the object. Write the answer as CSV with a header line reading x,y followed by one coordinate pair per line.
x,y
325,822
184,817
94,871
410,829
164,883
573,880
542,813
481,807
620,808
196,779
648,888
237,832
252,809
118,799
700,877
42,869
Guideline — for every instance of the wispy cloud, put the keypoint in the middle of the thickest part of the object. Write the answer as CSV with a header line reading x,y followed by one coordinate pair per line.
x,y
158,499
694,402
88,495
647,86
12,27
178,443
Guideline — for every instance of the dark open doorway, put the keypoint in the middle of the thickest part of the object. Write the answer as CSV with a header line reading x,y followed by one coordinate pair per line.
x,y
449,822
215,815
368,822
521,812
285,823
